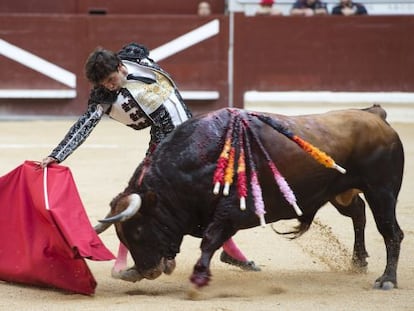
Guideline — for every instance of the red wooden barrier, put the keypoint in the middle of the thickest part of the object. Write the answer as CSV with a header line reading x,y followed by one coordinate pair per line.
x,y
353,54
67,41
372,53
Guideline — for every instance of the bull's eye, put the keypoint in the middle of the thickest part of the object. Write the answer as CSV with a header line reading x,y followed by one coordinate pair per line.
x,y
138,231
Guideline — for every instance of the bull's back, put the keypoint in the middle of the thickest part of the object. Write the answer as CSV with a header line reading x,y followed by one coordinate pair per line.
x,y
342,132
351,137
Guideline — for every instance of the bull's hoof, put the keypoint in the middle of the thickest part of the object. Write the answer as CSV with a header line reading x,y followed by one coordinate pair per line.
x,y
129,275
244,265
169,266
200,280
359,263
388,285
385,282
359,267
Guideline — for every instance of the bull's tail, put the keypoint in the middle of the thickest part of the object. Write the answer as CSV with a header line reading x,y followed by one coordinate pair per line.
x,y
298,230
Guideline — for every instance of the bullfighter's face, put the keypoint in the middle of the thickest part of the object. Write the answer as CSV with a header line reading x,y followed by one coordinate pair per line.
x,y
116,79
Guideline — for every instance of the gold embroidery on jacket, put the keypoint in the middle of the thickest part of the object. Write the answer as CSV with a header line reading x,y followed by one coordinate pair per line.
x,y
151,96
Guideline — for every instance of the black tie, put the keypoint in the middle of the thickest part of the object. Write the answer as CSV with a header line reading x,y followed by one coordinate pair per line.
x,y
146,80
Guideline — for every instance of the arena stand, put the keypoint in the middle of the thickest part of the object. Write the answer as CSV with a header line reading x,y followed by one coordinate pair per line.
x,y
374,7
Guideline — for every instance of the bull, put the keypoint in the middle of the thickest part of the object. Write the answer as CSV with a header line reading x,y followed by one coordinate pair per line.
x,y
174,195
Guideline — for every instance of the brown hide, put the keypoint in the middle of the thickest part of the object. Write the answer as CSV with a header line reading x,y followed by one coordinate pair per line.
x,y
340,134
361,141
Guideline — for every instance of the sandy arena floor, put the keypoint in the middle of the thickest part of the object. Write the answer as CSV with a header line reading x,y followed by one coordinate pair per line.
x,y
311,273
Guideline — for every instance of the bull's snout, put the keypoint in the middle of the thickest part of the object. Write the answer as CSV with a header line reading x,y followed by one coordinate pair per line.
x,y
166,266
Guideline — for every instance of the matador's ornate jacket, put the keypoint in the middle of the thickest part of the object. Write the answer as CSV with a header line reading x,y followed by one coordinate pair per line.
x,y
149,98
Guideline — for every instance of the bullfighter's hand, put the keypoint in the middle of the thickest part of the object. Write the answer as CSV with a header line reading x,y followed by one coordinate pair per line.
x,y
47,161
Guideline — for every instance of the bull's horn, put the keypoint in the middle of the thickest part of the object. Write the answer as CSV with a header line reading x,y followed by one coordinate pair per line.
x,y
131,210
99,228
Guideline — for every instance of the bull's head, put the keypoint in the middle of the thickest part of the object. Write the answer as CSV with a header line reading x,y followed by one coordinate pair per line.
x,y
140,231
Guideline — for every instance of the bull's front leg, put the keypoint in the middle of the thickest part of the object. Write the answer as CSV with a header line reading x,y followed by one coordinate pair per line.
x,y
201,273
213,239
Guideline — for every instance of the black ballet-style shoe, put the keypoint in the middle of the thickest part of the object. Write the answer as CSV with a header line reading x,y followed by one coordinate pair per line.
x,y
244,265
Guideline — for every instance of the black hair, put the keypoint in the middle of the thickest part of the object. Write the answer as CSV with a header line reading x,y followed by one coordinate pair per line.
x,y
100,64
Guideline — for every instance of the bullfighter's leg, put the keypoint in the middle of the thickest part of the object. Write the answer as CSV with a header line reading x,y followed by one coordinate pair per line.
x,y
382,201
232,255
213,238
355,209
118,204
121,260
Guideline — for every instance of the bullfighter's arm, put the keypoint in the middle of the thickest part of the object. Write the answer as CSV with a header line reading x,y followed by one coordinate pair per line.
x,y
78,133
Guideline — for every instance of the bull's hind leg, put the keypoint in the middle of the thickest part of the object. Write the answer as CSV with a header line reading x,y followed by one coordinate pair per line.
x,y
382,202
355,209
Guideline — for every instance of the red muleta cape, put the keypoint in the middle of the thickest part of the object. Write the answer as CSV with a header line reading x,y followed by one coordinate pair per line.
x,y
45,233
